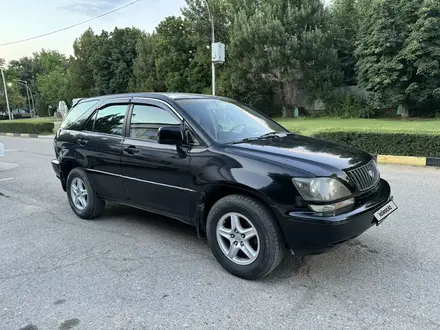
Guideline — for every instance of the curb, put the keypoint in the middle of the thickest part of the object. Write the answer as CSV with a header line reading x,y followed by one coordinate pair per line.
x,y
19,135
408,160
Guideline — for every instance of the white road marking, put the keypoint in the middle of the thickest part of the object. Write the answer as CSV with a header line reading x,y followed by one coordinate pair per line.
x,y
7,179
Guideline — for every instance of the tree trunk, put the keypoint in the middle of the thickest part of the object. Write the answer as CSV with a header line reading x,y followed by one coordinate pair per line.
x,y
405,110
284,101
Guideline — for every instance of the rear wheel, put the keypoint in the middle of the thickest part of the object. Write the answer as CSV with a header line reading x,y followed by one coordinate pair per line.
x,y
244,237
82,197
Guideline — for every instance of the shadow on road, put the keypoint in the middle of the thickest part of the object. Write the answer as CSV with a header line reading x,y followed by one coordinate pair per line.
x,y
352,260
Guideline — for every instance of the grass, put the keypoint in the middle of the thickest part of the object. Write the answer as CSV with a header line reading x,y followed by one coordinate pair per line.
x,y
310,126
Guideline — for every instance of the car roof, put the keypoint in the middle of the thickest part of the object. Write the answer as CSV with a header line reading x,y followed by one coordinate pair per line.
x,y
162,96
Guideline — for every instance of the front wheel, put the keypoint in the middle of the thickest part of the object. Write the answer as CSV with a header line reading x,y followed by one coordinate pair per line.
x,y
244,237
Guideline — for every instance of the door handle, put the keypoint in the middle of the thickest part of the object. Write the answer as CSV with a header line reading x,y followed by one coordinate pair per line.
x,y
81,142
131,150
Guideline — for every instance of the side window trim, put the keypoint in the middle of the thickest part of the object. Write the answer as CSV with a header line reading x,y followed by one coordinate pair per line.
x,y
156,102
66,124
102,105
147,103
92,117
108,104
161,103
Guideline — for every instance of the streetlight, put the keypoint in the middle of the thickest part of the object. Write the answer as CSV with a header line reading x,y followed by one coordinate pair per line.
x,y
211,18
28,93
30,97
6,93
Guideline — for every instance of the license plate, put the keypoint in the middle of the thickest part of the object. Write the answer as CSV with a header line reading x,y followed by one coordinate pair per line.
x,y
384,212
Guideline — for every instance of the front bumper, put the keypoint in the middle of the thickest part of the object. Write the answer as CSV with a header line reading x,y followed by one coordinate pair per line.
x,y
56,167
308,233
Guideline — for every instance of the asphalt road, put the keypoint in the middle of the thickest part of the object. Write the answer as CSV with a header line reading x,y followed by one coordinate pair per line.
x,y
133,270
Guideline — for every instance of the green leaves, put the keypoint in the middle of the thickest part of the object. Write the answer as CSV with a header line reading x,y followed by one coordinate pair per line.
x,y
286,43
398,52
55,86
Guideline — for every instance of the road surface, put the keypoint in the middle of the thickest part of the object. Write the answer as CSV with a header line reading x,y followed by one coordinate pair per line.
x,y
133,270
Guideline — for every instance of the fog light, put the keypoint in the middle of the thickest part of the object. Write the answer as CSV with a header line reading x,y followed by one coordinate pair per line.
x,y
332,207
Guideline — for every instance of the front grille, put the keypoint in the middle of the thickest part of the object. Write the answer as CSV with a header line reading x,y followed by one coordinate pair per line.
x,y
365,177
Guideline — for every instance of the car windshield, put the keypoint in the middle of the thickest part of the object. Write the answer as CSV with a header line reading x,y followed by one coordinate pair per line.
x,y
227,121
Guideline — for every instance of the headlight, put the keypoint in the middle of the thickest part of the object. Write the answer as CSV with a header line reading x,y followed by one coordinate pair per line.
x,y
321,189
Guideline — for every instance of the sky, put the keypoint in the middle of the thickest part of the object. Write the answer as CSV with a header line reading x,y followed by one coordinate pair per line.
x,y
22,19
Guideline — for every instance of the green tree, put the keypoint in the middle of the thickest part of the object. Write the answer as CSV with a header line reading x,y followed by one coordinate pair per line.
x,y
422,50
16,100
196,14
113,59
345,16
55,86
101,65
286,42
122,55
53,83
26,69
81,64
382,66
144,77
173,51
49,60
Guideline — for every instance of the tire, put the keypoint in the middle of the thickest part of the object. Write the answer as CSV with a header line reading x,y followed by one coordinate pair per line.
x,y
93,203
267,245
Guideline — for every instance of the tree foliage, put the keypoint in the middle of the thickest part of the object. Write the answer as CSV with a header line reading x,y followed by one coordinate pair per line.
x,y
383,67
144,76
280,54
81,64
422,50
346,17
55,86
286,42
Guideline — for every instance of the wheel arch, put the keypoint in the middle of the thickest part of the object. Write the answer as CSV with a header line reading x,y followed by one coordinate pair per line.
x,y
217,192
66,166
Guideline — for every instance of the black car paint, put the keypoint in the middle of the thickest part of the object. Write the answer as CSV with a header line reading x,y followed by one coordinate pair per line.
x,y
177,181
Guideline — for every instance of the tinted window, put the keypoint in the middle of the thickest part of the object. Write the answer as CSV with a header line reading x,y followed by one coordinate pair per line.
x,y
147,119
76,112
229,121
91,123
110,120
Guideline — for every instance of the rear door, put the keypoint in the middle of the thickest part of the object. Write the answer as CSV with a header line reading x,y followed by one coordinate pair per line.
x,y
156,176
99,148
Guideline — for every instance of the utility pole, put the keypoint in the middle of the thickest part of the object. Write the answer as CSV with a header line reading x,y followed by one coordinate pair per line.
x,y
211,18
6,94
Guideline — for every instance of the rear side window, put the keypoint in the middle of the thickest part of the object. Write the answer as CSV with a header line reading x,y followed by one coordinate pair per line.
x,y
109,120
76,112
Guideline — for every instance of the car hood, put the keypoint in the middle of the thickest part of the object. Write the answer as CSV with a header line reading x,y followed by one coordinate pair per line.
x,y
318,157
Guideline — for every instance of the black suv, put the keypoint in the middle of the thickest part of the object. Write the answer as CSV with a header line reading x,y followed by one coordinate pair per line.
x,y
248,184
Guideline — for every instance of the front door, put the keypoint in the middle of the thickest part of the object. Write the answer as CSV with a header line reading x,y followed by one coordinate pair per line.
x,y
156,177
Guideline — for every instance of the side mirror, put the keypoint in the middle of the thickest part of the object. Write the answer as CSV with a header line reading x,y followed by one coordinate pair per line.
x,y
171,135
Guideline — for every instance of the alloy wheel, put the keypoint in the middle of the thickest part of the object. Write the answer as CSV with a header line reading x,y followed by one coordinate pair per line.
x,y
78,192
238,238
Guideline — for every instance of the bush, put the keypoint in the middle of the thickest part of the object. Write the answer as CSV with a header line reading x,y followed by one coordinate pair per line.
x,y
26,127
346,105
396,144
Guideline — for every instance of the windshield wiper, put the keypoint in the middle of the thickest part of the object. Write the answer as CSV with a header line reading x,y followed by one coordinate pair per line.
x,y
261,137
246,140
270,134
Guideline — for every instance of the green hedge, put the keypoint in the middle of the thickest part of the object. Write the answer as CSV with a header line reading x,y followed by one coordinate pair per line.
x,y
385,143
26,127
